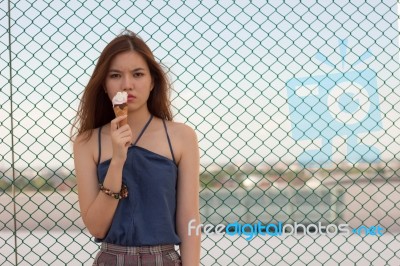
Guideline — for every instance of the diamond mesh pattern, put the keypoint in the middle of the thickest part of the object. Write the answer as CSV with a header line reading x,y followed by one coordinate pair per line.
x,y
295,103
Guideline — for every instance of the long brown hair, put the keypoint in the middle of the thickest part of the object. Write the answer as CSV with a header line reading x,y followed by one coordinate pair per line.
x,y
95,108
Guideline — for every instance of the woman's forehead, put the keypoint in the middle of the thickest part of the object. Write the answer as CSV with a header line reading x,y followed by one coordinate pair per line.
x,y
128,60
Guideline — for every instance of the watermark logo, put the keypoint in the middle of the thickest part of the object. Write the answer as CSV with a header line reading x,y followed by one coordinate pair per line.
x,y
280,229
342,102
373,230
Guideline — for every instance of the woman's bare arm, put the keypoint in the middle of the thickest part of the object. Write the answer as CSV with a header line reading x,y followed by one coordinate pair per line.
x,y
97,208
188,198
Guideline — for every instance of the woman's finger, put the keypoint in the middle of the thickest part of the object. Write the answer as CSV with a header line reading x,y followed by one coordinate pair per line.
x,y
123,131
124,128
115,122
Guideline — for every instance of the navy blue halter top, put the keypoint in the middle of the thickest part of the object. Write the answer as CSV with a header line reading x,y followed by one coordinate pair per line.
x,y
147,216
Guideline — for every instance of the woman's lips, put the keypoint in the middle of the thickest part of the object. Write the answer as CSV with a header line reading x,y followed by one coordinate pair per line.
x,y
131,97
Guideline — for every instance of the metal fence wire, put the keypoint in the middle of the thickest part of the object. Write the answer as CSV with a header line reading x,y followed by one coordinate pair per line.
x,y
295,104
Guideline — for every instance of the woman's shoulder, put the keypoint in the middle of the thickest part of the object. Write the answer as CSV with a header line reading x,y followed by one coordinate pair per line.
x,y
182,135
86,145
87,138
180,130
184,140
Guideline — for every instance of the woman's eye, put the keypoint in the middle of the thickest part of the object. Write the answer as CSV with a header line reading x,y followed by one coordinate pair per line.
x,y
139,74
114,76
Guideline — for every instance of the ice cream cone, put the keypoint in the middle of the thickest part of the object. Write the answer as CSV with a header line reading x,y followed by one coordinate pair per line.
x,y
120,110
120,106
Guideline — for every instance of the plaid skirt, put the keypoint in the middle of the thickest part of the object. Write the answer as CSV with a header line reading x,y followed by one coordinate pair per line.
x,y
115,255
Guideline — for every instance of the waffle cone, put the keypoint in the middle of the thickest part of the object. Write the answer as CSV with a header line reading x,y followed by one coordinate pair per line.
x,y
120,112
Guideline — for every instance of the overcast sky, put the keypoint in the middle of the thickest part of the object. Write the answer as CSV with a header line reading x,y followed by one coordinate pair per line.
x,y
229,63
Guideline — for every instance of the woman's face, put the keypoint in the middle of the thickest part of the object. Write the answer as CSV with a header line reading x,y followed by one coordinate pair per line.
x,y
129,72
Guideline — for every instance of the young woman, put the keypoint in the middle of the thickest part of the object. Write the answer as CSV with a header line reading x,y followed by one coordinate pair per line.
x,y
138,184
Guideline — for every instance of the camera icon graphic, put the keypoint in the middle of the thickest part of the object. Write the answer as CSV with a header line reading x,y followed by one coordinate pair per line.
x,y
340,103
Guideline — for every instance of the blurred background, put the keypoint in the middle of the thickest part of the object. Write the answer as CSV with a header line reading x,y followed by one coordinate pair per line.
x,y
295,104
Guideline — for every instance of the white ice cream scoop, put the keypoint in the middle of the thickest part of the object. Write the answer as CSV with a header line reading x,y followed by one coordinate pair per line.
x,y
120,98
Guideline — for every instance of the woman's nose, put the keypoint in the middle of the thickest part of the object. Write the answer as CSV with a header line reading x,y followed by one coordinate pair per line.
x,y
128,84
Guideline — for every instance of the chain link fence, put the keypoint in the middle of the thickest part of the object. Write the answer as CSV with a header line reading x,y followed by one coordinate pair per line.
x,y
295,103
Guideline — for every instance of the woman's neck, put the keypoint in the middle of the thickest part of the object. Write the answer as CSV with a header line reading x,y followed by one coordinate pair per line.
x,y
137,119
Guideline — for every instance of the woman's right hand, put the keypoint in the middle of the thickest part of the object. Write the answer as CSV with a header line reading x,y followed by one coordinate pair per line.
x,y
121,138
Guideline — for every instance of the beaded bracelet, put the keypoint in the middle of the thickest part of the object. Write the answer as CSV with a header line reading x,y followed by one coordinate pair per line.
x,y
120,195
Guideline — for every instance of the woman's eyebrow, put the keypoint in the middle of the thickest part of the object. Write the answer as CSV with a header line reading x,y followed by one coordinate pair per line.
x,y
137,69
133,70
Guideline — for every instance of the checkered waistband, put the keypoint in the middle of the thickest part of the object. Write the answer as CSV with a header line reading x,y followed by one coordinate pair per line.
x,y
135,250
